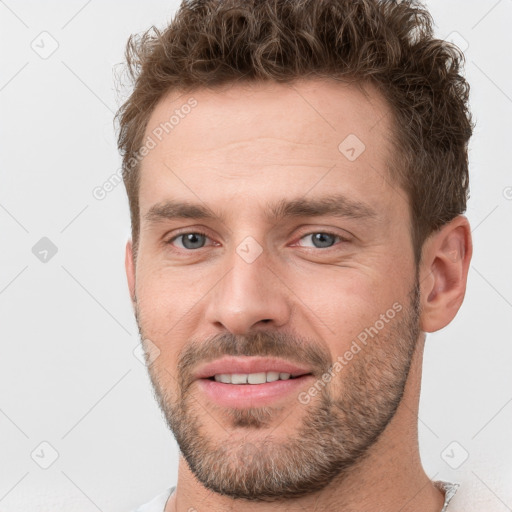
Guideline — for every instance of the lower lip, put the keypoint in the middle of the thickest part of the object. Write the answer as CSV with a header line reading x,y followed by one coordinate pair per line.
x,y
241,396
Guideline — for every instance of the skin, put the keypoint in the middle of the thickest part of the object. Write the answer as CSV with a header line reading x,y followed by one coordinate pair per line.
x,y
244,146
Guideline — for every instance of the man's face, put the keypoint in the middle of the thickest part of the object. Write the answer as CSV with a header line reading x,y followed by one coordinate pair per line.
x,y
275,281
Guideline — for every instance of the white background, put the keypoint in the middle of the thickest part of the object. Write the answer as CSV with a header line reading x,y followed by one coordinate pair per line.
x,y
68,375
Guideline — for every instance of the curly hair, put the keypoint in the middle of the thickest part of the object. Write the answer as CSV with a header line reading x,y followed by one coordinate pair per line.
x,y
389,44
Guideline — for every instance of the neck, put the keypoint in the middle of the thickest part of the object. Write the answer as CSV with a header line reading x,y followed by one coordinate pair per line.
x,y
389,478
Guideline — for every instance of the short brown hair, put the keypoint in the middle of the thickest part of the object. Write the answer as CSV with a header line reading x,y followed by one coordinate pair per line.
x,y
387,43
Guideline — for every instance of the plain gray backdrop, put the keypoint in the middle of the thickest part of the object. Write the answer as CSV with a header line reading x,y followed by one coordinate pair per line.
x,y
79,427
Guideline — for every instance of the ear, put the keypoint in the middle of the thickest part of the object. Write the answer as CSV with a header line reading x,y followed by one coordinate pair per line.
x,y
129,266
444,269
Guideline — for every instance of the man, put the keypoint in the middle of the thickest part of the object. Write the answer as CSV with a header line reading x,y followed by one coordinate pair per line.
x,y
297,172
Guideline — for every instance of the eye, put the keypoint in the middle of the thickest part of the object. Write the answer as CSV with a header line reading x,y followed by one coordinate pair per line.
x,y
197,240
189,241
321,239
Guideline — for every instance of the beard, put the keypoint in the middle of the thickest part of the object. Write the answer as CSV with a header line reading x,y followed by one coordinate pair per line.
x,y
336,430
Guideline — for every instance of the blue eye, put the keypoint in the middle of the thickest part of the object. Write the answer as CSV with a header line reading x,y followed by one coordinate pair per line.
x,y
196,240
190,240
322,240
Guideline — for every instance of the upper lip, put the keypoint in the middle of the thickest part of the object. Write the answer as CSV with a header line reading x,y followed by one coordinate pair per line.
x,y
248,365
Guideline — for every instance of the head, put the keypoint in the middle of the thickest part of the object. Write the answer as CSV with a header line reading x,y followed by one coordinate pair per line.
x,y
297,173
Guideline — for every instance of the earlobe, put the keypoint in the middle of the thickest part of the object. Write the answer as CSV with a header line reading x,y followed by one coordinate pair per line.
x,y
130,269
443,274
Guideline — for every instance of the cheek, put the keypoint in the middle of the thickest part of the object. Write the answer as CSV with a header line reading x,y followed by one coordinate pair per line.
x,y
158,318
170,301
346,301
158,309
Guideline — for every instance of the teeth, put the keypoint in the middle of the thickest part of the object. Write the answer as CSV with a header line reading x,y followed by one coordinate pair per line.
x,y
251,378
239,378
256,378
272,376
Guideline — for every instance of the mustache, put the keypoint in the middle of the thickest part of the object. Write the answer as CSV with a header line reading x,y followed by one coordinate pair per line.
x,y
289,346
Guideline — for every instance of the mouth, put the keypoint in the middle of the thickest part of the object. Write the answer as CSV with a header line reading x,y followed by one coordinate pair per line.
x,y
241,382
253,378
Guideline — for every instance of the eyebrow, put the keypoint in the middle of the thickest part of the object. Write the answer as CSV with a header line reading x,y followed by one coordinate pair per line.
x,y
333,205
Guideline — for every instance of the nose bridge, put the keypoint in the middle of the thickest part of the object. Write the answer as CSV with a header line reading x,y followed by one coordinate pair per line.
x,y
249,292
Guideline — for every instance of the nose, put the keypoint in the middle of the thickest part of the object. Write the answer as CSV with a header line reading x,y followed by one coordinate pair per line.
x,y
251,294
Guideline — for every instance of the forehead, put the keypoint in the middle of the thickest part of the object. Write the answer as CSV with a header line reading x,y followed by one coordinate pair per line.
x,y
242,138
308,110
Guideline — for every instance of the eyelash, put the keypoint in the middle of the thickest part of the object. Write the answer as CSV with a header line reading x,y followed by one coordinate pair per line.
x,y
202,233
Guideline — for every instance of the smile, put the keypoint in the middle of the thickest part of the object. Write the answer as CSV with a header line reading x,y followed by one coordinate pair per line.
x,y
252,378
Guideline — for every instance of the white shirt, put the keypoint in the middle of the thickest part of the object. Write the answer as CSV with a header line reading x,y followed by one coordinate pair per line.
x,y
157,504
